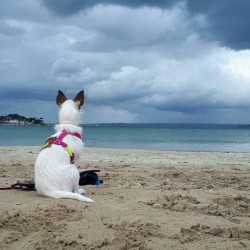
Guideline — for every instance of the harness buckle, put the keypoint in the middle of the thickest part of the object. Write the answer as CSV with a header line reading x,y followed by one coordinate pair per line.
x,y
57,142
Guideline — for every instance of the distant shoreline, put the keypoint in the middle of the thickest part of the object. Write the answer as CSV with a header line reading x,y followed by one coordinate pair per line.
x,y
15,119
20,124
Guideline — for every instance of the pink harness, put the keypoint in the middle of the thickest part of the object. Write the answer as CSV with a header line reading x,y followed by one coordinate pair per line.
x,y
59,141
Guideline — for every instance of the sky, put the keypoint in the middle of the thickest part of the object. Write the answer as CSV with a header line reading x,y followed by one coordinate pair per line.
x,y
165,61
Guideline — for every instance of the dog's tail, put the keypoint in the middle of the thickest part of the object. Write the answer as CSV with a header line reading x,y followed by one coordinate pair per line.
x,y
68,195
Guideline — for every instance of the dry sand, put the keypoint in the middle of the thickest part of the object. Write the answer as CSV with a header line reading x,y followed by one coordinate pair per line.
x,y
149,200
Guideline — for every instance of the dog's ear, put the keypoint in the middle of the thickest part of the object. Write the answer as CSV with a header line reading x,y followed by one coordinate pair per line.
x,y
79,99
61,98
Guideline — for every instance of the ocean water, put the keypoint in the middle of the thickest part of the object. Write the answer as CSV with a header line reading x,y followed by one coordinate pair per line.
x,y
176,137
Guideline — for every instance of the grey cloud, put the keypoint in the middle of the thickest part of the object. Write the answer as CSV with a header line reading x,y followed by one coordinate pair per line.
x,y
196,105
228,21
180,86
8,30
27,10
66,67
105,43
125,31
27,93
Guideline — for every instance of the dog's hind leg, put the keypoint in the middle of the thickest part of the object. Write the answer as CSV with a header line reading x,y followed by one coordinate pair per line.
x,y
80,191
68,195
77,189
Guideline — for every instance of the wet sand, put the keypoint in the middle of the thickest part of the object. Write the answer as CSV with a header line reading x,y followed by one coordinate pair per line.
x,y
149,200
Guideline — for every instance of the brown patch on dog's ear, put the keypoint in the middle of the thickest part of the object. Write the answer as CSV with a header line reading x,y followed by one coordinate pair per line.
x,y
61,98
79,99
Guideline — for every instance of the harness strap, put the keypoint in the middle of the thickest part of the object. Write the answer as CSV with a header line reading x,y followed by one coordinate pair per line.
x,y
59,141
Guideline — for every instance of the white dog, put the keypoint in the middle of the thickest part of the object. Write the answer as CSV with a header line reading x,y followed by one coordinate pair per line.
x,y
56,175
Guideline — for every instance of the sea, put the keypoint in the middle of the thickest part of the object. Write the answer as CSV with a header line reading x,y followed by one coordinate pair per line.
x,y
171,137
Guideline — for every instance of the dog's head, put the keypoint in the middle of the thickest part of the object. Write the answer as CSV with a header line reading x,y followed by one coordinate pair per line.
x,y
69,112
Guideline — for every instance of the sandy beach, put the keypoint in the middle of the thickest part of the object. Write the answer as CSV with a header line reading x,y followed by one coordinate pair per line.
x,y
149,200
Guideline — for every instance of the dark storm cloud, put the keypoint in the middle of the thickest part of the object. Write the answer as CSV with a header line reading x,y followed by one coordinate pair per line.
x,y
69,7
228,20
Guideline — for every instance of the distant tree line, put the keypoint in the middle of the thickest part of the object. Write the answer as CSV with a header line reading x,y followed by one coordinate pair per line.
x,y
20,118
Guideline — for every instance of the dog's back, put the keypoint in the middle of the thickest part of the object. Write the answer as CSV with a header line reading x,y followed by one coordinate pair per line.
x,y
55,174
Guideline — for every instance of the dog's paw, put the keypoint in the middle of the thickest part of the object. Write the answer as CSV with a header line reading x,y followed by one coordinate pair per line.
x,y
81,191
